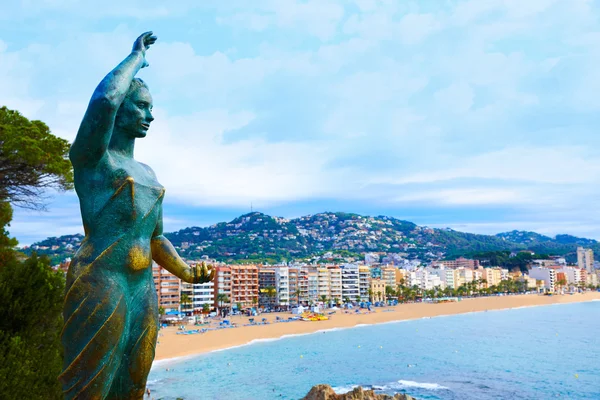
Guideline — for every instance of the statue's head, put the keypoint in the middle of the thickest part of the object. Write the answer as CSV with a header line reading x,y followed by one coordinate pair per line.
x,y
135,114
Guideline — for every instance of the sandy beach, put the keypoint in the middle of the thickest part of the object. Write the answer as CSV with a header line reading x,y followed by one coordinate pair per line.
x,y
172,345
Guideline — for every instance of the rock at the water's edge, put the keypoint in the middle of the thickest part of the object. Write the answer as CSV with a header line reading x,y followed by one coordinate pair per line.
x,y
325,392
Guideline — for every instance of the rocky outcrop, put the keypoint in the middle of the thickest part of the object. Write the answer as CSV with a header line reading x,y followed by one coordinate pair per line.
x,y
325,392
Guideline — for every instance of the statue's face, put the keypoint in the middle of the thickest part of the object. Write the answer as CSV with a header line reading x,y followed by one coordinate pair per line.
x,y
135,114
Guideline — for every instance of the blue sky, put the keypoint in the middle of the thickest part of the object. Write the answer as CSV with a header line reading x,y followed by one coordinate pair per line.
x,y
479,115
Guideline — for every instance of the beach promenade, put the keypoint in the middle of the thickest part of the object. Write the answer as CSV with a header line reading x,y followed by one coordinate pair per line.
x,y
172,345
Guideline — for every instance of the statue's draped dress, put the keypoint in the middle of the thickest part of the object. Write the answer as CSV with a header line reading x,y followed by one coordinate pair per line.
x,y
111,311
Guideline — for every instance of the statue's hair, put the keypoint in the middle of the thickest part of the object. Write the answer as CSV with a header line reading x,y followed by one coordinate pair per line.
x,y
136,83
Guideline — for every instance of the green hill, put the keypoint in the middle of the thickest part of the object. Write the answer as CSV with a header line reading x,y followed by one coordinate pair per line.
x,y
257,237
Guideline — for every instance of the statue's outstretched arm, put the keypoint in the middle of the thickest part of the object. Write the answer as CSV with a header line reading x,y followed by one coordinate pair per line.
x,y
96,128
166,256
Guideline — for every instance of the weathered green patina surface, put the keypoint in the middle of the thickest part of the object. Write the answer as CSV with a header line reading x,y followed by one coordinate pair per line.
x,y
110,310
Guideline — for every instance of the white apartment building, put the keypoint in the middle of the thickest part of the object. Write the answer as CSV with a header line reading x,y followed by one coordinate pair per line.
x,y
335,283
466,274
364,282
388,275
592,279
350,288
585,259
323,283
282,284
199,295
425,279
574,275
447,276
548,275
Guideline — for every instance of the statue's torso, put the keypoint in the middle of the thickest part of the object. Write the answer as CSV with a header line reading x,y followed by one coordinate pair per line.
x,y
120,203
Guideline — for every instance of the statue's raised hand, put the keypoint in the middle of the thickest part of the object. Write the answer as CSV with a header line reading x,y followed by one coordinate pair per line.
x,y
201,273
143,43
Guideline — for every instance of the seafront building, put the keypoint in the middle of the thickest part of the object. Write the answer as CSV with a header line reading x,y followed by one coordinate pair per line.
x,y
294,292
168,288
282,284
573,275
493,276
223,283
303,285
364,281
377,290
267,292
323,288
313,286
244,286
335,283
198,294
585,259
350,281
389,276
548,275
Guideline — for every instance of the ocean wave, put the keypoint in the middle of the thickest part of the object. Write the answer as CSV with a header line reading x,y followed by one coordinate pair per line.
x,y
421,385
344,389
393,386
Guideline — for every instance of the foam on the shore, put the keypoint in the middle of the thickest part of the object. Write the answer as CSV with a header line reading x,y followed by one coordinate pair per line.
x,y
393,386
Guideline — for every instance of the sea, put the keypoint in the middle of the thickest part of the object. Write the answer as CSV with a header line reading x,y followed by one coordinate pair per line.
x,y
542,352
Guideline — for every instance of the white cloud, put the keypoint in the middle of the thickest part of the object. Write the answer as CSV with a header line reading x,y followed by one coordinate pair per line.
x,y
564,165
198,168
316,17
413,28
412,99
465,196
457,97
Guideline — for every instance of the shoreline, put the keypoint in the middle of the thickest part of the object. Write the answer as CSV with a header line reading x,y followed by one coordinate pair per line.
x,y
174,348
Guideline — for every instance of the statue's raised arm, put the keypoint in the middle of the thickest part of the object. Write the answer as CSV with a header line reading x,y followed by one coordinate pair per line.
x,y
98,122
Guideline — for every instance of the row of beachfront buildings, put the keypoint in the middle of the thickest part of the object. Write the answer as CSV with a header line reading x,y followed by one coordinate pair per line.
x,y
247,286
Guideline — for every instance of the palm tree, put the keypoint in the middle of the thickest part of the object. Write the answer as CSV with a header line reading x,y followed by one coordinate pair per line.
x,y
389,292
370,292
296,294
222,299
185,300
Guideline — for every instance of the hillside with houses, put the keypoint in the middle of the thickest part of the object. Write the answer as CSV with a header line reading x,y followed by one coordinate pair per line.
x,y
335,237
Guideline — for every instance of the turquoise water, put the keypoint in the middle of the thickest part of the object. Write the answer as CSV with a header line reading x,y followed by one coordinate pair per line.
x,y
528,353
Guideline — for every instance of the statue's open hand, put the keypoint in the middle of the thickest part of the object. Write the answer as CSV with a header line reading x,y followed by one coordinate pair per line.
x,y
143,43
202,273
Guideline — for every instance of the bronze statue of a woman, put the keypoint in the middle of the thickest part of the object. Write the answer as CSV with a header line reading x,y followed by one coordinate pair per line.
x,y
110,310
